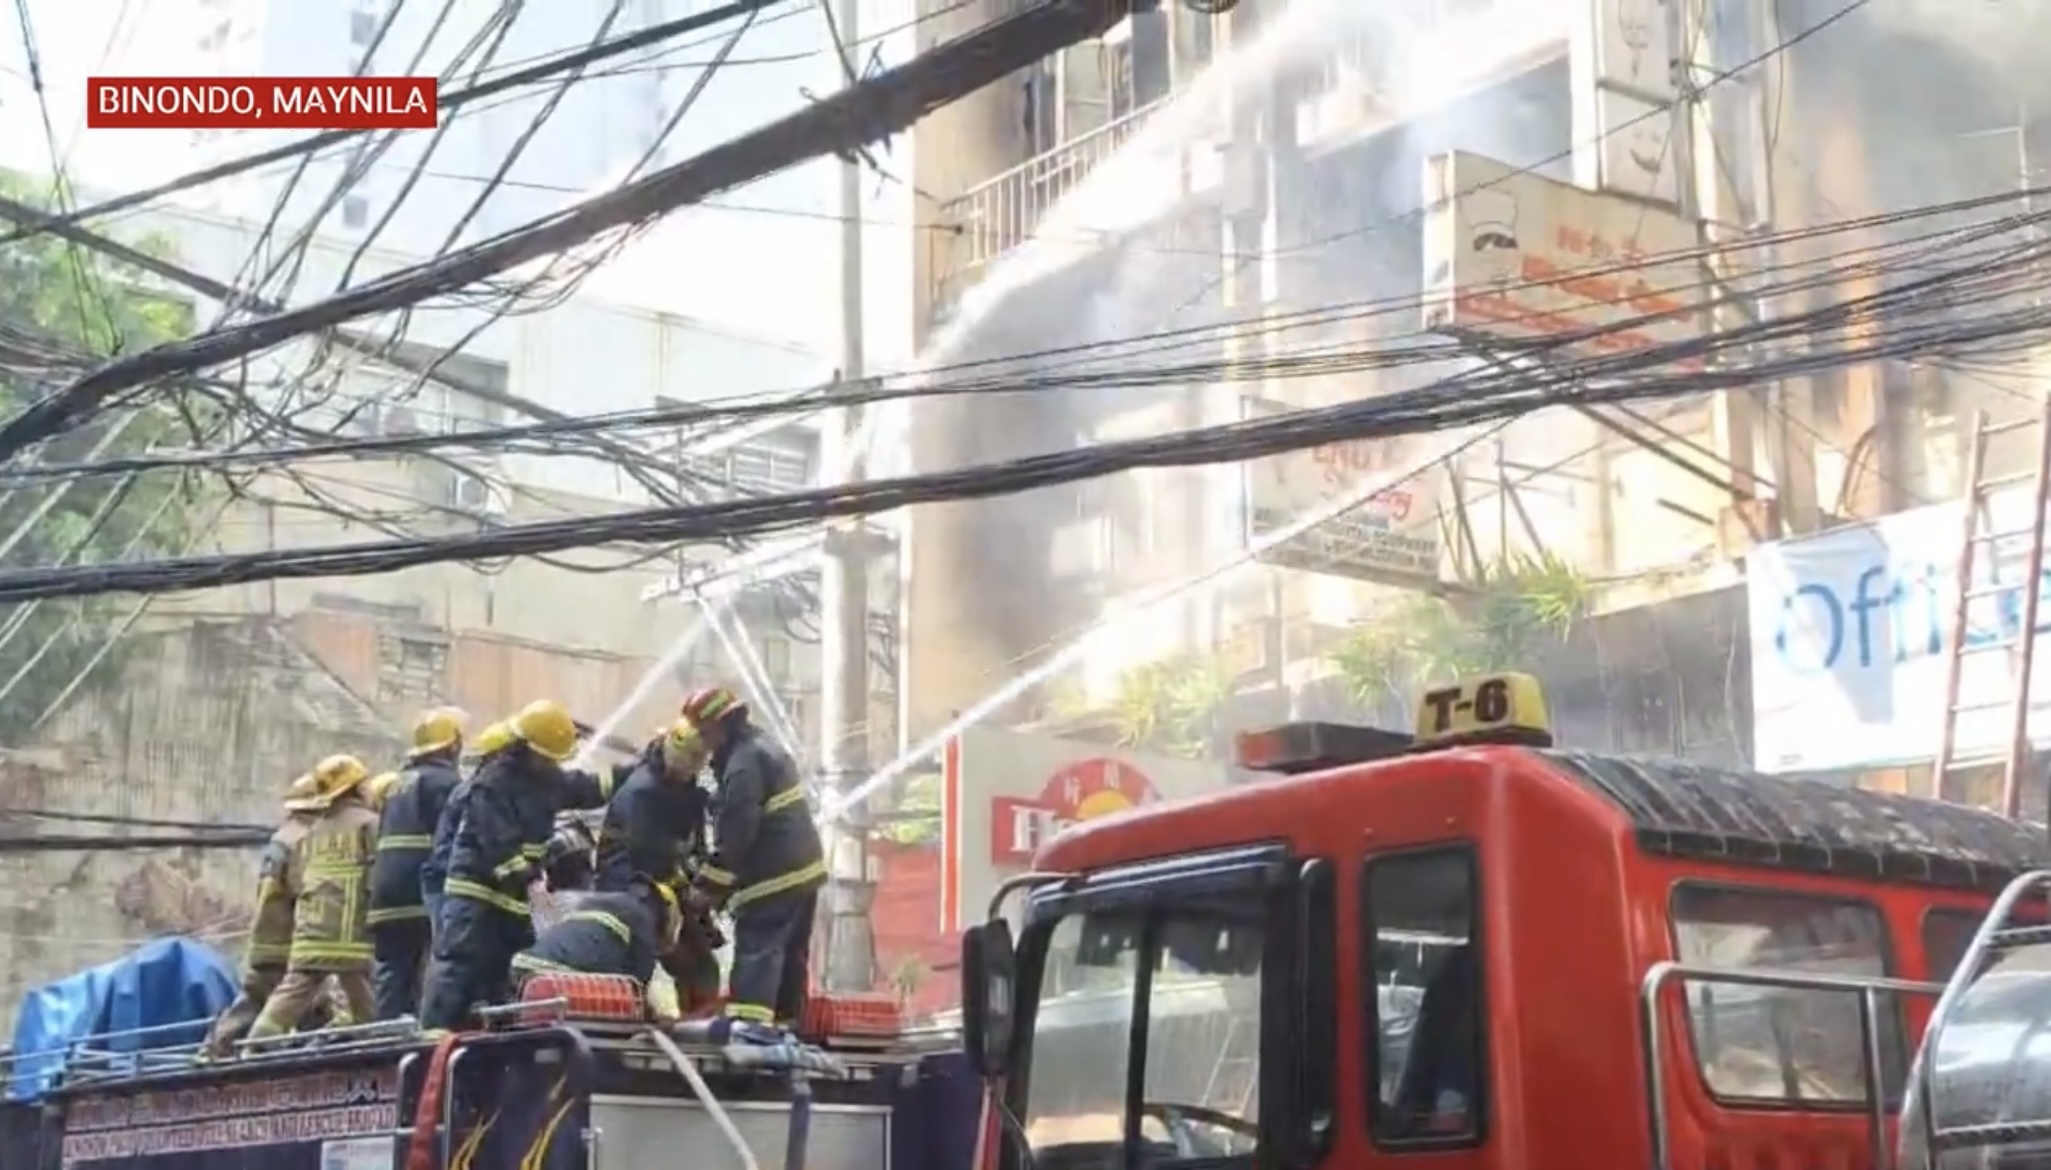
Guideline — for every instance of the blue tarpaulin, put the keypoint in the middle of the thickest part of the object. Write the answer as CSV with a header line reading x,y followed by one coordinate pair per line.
x,y
158,996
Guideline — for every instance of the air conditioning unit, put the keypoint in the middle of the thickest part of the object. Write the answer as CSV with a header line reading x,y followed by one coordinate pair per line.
x,y
474,495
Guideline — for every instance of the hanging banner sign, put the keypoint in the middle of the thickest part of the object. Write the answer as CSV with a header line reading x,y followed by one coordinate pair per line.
x,y
1390,536
1850,635
1516,256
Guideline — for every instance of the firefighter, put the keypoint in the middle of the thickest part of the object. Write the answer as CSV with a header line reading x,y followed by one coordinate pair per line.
x,y
655,824
435,870
629,931
766,866
270,932
401,933
326,878
500,846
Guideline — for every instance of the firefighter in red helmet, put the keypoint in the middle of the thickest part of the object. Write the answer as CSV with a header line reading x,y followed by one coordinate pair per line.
x,y
766,867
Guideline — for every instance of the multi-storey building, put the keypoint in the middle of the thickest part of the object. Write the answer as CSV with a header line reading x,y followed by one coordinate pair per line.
x,y
1135,186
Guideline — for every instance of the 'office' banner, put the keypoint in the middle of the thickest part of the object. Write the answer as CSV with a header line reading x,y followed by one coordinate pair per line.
x,y
1849,634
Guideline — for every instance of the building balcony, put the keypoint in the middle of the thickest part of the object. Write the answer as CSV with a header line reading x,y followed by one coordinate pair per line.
x,y
1001,213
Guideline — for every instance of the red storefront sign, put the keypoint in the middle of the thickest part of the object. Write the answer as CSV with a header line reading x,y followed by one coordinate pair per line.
x,y
1080,791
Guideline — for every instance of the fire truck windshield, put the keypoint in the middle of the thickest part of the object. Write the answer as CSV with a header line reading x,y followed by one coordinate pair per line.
x,y
1176,987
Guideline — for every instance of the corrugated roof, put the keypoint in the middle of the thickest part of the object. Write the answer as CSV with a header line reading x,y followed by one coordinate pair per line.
x,y
1688,810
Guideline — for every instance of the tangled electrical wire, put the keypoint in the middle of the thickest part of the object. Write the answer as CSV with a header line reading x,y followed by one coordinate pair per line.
x,y
1966,291
1145,361
857,115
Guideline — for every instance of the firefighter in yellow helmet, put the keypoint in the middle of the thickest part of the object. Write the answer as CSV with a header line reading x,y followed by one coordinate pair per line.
x,y
767,866
655,824
327,878
270,931
401,932
434,872
499,849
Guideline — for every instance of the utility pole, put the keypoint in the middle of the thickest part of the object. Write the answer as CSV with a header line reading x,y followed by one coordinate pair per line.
x,y
844,598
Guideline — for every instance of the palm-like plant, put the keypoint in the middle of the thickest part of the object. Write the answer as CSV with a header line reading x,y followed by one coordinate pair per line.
x,y
1142,709
1508,615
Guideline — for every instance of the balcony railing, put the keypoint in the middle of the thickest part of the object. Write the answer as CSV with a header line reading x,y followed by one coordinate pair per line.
x,y
1001,213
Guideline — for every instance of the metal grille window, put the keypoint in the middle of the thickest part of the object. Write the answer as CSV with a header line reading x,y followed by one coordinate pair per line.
x,y
780,461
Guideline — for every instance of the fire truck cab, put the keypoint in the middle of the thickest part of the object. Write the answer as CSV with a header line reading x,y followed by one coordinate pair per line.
x,y
1466,947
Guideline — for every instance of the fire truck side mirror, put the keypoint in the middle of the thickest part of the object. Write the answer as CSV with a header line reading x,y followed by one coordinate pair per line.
x,y
989,978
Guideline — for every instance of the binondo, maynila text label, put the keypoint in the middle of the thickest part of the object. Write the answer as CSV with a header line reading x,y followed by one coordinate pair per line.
x,y
260,103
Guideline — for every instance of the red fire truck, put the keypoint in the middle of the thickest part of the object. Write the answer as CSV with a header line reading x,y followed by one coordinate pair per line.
x,y
1467,948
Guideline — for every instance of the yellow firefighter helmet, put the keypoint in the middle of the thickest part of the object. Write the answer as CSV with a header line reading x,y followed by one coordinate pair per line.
x,y
339,775
300,795
682,747
547,727
495,738
380,788
436,730
330,780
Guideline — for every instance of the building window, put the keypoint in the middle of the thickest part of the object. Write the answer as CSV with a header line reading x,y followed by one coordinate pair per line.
x,y
1426,1046
362,28
781,461
355,212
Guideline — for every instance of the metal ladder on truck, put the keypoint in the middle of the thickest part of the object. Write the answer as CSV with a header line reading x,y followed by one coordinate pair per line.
x,y
1978,1108
1981,544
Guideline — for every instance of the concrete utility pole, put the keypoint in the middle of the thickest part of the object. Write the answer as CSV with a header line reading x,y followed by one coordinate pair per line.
x,y
844,600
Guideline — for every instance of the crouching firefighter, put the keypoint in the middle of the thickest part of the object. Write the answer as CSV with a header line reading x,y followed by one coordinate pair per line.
x,y
401,934
500,846
270,932
655,824
766,866
328,878
630,931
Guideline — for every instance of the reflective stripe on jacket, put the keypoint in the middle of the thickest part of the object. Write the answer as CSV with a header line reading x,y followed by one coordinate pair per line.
x,y
604,934
331,882
270,928
434,871
764,841
653,826
405,839
508,816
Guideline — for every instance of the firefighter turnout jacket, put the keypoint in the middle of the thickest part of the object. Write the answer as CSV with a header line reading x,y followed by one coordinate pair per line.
x,y
434,870
270,930
330,878
653,826
764,841
508,817
406,839
605,934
